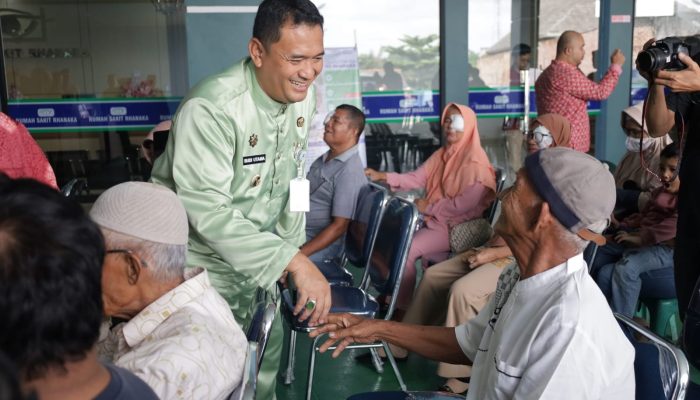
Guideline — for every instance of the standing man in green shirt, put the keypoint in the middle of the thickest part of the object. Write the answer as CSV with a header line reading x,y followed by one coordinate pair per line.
x,y
236,144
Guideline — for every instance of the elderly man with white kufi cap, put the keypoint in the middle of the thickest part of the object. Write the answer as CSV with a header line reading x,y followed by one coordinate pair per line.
x,y
179,336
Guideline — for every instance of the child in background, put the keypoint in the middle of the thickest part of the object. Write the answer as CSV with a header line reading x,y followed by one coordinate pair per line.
x,y
640,249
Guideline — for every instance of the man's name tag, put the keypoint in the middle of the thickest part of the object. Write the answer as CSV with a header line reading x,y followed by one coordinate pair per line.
x,y
256,159
299,195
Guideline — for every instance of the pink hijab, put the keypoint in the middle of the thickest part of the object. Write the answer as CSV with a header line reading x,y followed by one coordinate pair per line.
x,y
21,156
456,166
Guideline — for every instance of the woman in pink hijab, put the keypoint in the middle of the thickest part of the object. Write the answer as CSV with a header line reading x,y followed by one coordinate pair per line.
x,y
21,156
459,184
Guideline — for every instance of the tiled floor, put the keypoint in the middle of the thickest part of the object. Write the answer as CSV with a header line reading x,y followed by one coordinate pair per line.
x,y
344,376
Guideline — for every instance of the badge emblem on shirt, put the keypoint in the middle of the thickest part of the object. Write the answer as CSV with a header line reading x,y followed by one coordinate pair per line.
x,y
253,140
300,122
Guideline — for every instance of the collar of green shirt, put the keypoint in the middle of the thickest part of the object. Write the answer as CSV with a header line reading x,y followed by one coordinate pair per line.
x,y
261,99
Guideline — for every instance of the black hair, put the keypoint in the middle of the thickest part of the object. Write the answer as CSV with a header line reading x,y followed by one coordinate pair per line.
x,y
670,151
356,116
51,257
273,14
521,49
9,382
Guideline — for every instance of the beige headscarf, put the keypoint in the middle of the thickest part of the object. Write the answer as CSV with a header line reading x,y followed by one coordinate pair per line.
x,y
456,166
630,166
558,126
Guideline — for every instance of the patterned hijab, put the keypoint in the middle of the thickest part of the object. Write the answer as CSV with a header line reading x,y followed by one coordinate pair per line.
x,y
456,166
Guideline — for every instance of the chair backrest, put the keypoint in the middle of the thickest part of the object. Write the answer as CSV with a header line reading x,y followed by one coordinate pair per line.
x,y
74,187
390,250
264,310
589,254
490,212
362,230
68,164
672,370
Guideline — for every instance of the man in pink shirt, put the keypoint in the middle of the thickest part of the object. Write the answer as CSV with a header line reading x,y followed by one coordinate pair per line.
x,y
563,89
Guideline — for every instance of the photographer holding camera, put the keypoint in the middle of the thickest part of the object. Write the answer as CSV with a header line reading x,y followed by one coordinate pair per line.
x,y
668,63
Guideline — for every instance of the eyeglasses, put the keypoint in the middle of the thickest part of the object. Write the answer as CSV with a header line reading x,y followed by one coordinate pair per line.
x,y
541,136
129,253
538,135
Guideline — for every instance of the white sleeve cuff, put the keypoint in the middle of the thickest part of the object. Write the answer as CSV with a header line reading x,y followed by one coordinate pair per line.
x,y
468,348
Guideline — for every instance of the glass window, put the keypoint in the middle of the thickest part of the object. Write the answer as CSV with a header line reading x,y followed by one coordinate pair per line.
x,y
505,38
89,79
399,73
501,35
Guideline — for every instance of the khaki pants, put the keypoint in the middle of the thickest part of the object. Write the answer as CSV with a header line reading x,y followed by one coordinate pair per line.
x,y
451,293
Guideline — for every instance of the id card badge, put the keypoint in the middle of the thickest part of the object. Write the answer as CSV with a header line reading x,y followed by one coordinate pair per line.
x,y
299,195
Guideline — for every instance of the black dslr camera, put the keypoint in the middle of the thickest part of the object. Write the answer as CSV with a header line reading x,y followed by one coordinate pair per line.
x,y
663,54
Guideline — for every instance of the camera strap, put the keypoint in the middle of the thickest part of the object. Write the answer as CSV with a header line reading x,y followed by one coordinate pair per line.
x,y
681,136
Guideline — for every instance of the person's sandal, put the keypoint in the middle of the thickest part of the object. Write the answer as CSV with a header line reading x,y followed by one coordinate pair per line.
x,y
449,389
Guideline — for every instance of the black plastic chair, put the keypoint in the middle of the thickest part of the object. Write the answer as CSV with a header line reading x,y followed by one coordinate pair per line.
x,y
74,188
589,254
264,310
359,240
490,212
360,235
258,333
388,257
68,164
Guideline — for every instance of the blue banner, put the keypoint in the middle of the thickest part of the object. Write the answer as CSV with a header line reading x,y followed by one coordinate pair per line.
x,y
499,102
394,106
486,102
82,115
93,114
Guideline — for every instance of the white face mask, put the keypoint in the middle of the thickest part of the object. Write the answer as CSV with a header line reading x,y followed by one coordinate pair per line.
x,y
632,144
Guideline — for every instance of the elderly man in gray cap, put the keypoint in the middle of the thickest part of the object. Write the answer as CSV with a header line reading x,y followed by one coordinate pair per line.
x,y
547,333
179,336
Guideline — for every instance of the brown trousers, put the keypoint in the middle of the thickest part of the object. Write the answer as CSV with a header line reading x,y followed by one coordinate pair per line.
x,y
451,293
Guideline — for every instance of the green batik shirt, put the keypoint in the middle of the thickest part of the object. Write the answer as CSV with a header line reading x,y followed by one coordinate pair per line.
x,y
230,158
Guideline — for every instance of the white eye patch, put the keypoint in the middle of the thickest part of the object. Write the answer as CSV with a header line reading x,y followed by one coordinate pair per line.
x,y
328,117
457,123
542,136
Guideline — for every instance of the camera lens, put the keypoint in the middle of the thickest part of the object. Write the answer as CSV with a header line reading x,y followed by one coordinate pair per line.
x,y
651,60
